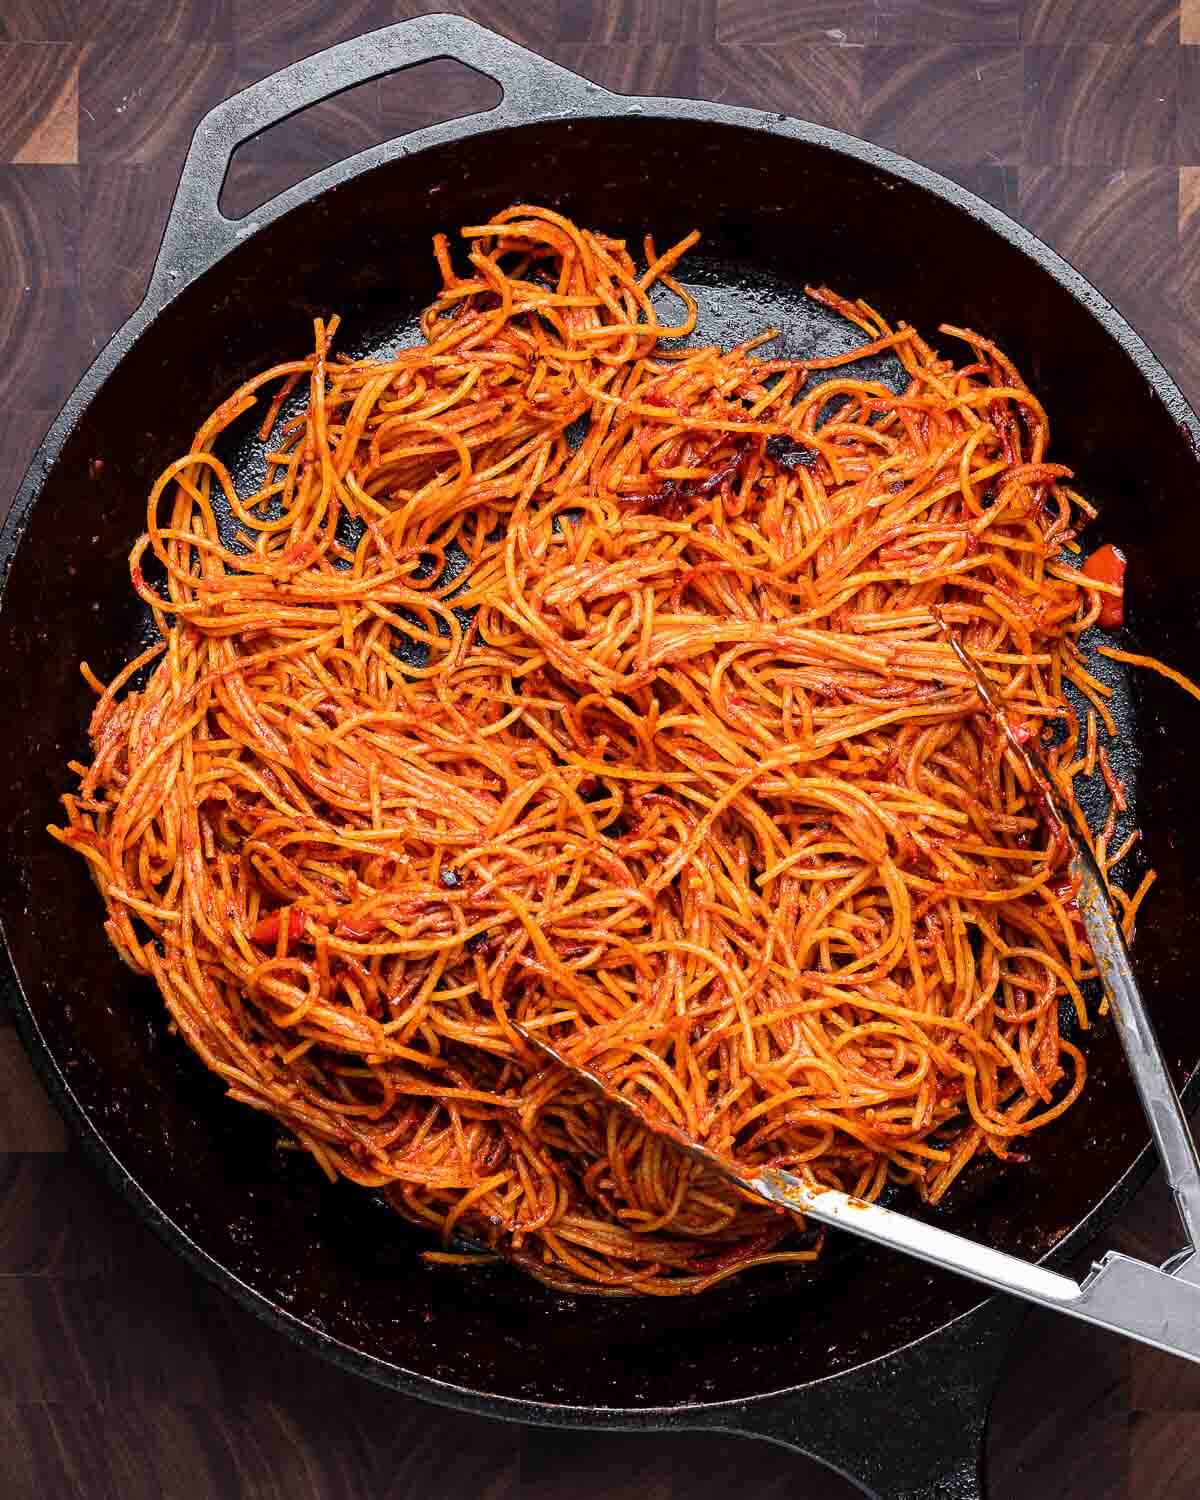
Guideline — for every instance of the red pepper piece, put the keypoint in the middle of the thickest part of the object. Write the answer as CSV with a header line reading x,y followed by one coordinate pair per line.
x,y
266,933
1107,565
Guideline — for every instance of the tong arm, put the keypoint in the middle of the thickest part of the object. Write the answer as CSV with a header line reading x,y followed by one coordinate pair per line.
x,y
1120,1293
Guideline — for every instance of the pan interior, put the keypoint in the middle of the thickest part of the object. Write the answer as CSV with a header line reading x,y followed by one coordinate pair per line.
x,y
777,213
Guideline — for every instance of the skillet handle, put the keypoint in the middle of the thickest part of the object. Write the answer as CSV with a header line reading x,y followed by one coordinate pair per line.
x,y
911,1426
198,234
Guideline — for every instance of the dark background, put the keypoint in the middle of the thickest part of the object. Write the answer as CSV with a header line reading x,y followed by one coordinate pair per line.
x,y
121,1373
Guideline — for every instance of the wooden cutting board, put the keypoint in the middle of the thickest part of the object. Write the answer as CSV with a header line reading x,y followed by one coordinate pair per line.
x,y
122,1374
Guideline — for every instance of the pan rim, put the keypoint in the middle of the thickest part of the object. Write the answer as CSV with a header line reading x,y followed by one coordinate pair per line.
x,y
604,107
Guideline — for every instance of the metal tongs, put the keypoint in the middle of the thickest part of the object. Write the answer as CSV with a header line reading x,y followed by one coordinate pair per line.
x,y
1157,1306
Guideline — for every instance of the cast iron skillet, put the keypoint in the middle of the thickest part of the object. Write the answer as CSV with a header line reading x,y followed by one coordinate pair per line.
x,y
875,1365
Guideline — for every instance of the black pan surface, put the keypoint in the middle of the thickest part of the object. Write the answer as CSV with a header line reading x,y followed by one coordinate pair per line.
x,y
780,204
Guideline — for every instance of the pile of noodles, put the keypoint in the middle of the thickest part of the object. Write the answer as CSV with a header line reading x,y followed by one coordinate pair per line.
x,y
676,768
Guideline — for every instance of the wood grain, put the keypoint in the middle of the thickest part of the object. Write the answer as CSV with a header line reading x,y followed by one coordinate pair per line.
x,y
123,211
299,146
777,22
1187,124
918,100
942,21
996,184
21,429
1165,1455
54,1339
28,1121
270,1451
125,1376
336,128
818,83
39,228
1189,204
1159,1382
294,28
435,91
1093,215
532,22
56,1449
360,117
633,67
1059,1423
51,1210
129,21
678,21
1185,287
39,21
39,102
141,105
1145,22
1099,105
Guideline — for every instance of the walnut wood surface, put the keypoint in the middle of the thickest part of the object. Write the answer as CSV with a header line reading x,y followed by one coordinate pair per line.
x,y
122,1374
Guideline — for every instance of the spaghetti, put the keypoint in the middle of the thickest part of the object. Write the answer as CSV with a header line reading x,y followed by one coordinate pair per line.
x,y
646,740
